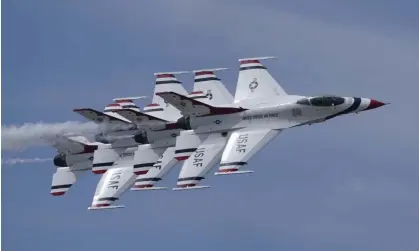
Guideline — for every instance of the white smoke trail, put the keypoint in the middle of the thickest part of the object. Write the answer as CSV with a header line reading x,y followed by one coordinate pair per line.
x,y
24,161
33,134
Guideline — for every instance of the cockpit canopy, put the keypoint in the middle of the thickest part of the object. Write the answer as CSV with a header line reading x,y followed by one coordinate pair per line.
x,y
322,101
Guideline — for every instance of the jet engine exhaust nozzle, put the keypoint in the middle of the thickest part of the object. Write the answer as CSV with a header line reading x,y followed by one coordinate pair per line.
x,y
141,138
60,161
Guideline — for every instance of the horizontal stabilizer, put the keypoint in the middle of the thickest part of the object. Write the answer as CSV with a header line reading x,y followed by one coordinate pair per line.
x,y
105,207
233,172
63,179
189,188
71,144
148,188
190,106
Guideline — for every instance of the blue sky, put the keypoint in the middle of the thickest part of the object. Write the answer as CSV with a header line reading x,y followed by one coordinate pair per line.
x,y
347,184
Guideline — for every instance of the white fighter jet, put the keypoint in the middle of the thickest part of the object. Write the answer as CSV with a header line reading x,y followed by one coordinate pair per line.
x,y
208,89
156,131
121,155
111,122
230,134
75,153
74,158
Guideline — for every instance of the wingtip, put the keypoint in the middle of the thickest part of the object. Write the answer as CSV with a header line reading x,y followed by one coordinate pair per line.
x,y
171,72
210,69
105,207
258,58
129,98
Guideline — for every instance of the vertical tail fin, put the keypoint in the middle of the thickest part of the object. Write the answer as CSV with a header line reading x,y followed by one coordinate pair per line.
x,y
128,103
165,81
209,89
111,109
255,82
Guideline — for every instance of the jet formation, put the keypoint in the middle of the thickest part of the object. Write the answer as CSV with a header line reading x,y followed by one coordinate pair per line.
x,y
201,130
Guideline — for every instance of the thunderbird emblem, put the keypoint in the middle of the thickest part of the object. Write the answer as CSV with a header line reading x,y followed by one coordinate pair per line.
x,y
253,85
209,94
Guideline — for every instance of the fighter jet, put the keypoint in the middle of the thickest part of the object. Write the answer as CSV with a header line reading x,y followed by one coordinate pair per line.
x,y
208,89
74,158
110,121
122,155
155,137
75,153
231,134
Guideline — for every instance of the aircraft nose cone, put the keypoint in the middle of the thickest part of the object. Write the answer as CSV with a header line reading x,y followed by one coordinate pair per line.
x,y
374,104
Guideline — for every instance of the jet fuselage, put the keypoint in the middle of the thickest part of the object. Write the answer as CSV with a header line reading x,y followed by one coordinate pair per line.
x,y
292,111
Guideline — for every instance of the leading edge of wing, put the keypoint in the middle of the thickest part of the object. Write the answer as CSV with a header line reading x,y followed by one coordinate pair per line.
x,y
194,107
97,116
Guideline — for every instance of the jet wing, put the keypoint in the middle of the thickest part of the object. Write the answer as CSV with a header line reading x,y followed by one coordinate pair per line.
x,y
138,117
206,156
163,165
241,146
122,174
99,117
192,107
255,82
111,186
